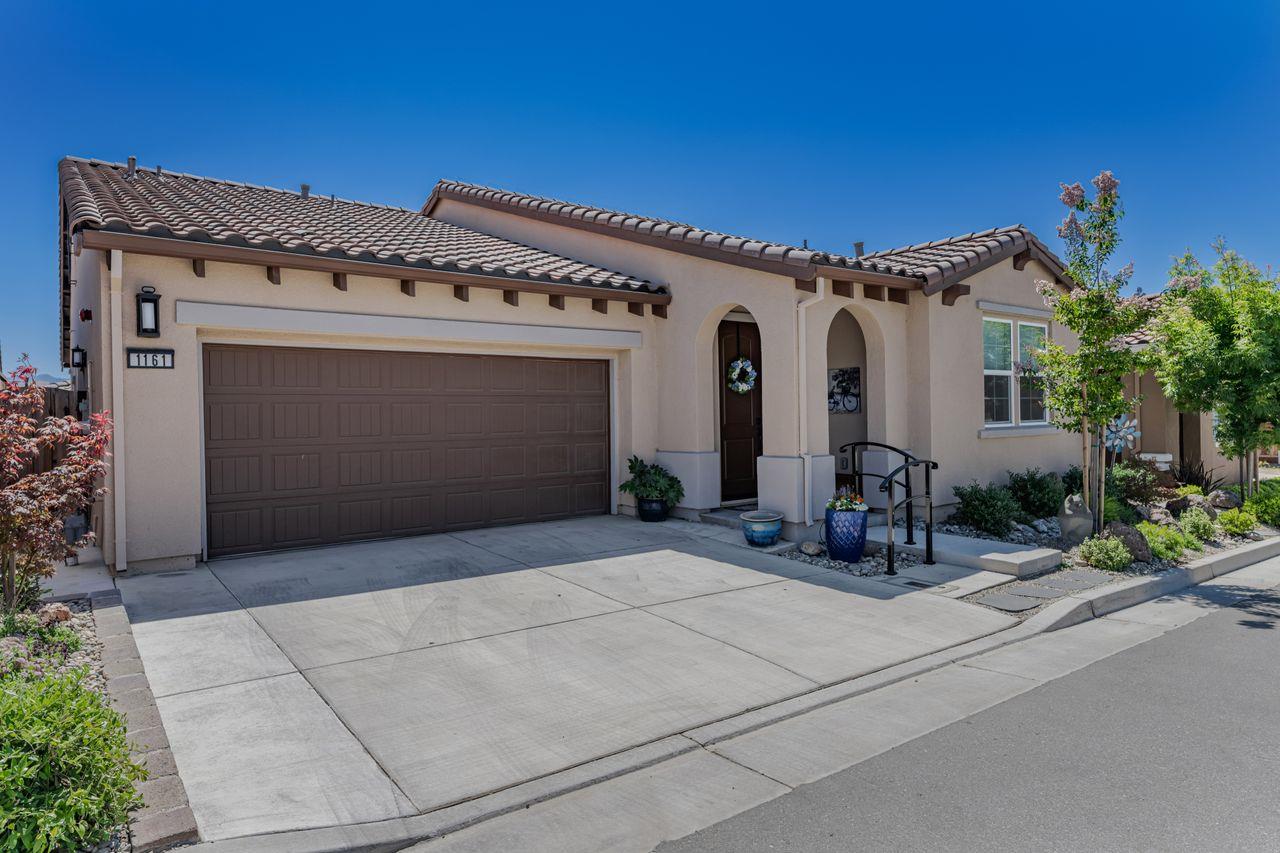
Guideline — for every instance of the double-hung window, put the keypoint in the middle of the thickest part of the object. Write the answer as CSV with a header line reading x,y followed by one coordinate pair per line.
x,y
1011,393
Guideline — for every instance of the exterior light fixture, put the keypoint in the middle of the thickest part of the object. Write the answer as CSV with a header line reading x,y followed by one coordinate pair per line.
x,y
77,357
86,315
148,313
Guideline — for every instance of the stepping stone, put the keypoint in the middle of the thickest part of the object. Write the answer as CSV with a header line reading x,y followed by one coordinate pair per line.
x,y
1037,591
1009,602
1071,581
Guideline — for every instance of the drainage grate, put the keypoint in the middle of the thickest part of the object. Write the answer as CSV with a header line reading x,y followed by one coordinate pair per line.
x,y
918,584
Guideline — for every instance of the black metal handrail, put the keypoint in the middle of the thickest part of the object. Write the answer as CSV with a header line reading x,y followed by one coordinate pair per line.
x,y
887,484
892,507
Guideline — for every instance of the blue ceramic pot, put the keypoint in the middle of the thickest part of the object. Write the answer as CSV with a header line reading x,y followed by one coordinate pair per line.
x,y
762,527
846,535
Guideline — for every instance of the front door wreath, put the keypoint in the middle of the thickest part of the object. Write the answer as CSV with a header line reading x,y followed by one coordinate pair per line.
x,y
742,376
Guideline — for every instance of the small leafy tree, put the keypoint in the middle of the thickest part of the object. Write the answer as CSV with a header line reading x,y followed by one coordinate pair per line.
x,y
34,504
1085,388
1217,346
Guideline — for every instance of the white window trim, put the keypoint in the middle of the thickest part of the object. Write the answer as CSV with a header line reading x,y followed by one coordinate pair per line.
x,y
1015,384
986,371
1044,327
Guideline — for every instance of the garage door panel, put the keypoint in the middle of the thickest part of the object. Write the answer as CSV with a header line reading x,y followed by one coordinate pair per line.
x,y
296,524
292,472
238,421
310,446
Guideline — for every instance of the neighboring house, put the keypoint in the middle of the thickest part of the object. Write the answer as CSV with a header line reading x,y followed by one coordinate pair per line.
x,y
1169,436
328,371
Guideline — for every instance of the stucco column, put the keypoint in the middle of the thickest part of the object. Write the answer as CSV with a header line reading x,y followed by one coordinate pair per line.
x,y
115,353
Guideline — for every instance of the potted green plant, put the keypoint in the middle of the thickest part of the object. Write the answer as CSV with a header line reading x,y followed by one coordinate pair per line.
x,y
655,489
845,530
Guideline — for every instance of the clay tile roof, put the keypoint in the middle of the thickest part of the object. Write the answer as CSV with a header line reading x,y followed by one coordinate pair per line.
x,y
934,265
677,232
188,207
944,262
1151,301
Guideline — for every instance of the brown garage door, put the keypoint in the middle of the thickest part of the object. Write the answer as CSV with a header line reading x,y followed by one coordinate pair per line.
x,y
313,446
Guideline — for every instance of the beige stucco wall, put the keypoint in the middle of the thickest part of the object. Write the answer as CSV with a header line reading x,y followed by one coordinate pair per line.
x,y
956,437
1165,430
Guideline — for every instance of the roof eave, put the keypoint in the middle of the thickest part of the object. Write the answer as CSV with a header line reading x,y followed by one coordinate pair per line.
x,y
144,244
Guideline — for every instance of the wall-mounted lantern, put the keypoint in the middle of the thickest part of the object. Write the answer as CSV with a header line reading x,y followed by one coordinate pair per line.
x,y
148,313
77,357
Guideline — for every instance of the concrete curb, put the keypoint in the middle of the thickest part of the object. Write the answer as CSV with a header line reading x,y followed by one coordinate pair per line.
x,y
165,818
1102,601
399,833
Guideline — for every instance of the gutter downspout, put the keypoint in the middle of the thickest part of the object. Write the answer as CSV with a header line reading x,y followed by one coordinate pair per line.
x,y
115,351
802,422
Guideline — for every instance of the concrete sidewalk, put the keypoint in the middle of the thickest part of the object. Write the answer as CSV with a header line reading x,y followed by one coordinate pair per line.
x,y
385,686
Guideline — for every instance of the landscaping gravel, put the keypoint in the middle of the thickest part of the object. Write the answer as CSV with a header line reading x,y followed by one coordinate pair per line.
x,y
871,564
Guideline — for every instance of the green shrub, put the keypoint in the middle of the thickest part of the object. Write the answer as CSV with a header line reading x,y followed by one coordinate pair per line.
x,y
1167,542
1196,523
1134,481
1237,522
1073,480
1197,475
1105,552
65,775
1040,495
990,508
1183,491
1265,503
652,482
1114,509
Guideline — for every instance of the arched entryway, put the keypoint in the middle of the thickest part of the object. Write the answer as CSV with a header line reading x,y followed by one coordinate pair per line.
x,y
855,389
740,403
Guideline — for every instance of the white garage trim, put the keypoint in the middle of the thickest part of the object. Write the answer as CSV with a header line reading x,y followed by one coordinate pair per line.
x,y
254,317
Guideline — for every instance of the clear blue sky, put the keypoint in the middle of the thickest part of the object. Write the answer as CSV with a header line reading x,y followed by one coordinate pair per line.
x,y
891,123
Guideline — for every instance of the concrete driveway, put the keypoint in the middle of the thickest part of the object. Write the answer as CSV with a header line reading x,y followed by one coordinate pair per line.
x,y
373,681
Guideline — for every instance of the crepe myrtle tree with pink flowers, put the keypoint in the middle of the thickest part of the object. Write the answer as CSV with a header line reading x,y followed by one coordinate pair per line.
x,y
1084,390
34,503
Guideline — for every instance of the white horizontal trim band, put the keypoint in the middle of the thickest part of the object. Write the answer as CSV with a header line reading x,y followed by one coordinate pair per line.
x,y
257,318
1014,310
1021,430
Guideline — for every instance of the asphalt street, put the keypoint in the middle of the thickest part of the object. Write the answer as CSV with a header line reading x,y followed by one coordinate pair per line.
x,y
1168,746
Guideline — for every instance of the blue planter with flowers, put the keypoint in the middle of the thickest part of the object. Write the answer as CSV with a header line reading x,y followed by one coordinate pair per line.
x,y
845,530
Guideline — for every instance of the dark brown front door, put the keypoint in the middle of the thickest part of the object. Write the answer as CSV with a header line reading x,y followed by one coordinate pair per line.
x,y
315,446
741,421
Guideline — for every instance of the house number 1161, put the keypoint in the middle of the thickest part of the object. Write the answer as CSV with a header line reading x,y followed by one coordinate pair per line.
x,y
150,358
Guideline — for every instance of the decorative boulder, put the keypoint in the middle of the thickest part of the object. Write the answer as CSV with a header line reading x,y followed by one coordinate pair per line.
x,y
1133,540
1075,520
1180,504
812,549
1160,516
52,614
1222,499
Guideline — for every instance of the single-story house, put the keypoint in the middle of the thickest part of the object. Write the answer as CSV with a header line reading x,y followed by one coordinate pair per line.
x,y
1169,436
287,369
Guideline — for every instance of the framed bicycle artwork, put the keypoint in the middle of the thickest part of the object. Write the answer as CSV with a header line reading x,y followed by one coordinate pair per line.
x,y
844,390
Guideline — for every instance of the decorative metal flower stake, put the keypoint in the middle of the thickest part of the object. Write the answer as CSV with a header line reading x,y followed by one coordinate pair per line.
x,y
1122,434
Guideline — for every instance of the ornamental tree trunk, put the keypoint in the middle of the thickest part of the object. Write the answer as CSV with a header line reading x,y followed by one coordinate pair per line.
x,y
10,580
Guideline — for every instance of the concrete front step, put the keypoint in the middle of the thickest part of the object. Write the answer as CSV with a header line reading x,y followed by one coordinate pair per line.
x,y
725,516
986,554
